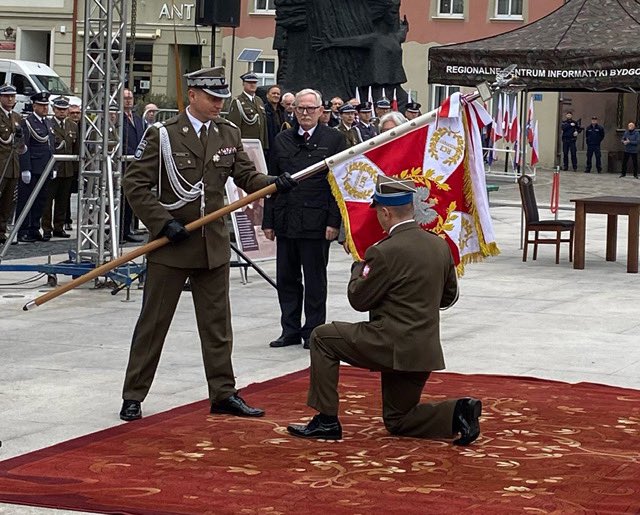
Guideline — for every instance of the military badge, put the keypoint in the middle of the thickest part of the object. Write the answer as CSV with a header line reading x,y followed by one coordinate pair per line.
x,y
227,151
140,150
185,129
365,271
216,158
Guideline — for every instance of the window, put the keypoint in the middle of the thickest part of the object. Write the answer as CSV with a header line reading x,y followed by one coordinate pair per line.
x,y
22,84
454,8
265,6
265,69
439,93
509,8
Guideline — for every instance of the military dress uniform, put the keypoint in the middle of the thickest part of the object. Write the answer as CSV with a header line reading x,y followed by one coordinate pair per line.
x,y
404,281
351,135
66,136
10,148
172,153
40,143
249,115
365,131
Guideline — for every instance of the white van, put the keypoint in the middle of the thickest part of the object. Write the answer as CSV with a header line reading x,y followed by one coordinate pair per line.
x,y
30,77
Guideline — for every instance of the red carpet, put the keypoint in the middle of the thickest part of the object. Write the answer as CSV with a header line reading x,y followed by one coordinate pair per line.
x,y
546,447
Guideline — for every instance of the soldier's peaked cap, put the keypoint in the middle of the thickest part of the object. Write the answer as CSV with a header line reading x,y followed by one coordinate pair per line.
x,y
210,80
61,103
383,103
346,108
8,89
249,77
326,106
365,107
393,192
40,98
413,107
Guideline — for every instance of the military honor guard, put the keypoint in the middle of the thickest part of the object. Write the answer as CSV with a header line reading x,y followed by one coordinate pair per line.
x,y
11,146
412,110
66,136
403,282
346,127
364,127
40,143
177,177
248,113
382,107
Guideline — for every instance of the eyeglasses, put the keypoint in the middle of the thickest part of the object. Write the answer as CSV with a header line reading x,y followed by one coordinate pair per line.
x,y
306,109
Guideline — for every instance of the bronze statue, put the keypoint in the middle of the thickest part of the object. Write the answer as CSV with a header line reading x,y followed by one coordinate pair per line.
x,y
339,45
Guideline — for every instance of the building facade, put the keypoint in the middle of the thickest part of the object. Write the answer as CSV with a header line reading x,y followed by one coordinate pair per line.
x,y
168,43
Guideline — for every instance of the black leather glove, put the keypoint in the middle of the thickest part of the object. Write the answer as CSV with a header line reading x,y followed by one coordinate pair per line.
x,y
284,182
175,231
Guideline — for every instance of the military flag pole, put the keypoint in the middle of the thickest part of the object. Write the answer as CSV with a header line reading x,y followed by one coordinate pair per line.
x,y
331,162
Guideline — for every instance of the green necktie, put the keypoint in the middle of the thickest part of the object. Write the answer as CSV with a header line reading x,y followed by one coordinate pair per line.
x,y
203,136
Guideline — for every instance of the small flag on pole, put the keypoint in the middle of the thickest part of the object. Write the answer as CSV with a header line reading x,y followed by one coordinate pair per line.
x,y
394,103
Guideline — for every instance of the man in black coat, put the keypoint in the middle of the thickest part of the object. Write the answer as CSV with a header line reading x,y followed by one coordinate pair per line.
x,y
594,134
304,221
132,132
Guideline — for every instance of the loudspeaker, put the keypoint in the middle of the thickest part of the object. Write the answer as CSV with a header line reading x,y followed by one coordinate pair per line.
x,y
219,13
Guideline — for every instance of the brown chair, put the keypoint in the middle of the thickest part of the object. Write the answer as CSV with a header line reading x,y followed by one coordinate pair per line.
x,y
535,225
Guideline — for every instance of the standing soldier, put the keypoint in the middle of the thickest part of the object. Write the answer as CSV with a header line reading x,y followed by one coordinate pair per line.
x,y
366,130
594,134
11,145
199,149
346,127
65,132
570,130
38,137
247,111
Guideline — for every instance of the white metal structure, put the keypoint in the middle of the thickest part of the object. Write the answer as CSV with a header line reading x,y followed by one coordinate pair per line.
x,y
98,218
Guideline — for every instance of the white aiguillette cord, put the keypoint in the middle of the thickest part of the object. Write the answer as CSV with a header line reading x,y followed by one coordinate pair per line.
x,y
177,182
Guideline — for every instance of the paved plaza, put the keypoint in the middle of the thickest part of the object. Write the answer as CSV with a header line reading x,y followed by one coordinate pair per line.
x,y
62,364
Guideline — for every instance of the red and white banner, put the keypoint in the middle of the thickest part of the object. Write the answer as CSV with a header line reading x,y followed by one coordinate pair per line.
x,y
445,162
535,152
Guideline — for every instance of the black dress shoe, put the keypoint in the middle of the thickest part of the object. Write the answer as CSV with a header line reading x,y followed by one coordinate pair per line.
x,y
283,341
317,429
235,405
68,227
26,238
131,410
46,236
466,420
3,240
61,234
133,239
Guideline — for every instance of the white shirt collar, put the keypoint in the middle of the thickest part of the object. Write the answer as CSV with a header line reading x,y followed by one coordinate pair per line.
x,y
301,131
197,124
250,97
39,118
399,224
8,113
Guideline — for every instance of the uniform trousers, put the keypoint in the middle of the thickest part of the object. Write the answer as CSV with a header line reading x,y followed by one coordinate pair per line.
x,y
7,196
591,151
31,224
569,147
210,291
298,257
58,201
634,162
402,412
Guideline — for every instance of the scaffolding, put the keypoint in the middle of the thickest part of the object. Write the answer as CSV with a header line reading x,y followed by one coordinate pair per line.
x,y
101,162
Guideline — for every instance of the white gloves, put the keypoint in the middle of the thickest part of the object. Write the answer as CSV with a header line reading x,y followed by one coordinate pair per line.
x,y
26,177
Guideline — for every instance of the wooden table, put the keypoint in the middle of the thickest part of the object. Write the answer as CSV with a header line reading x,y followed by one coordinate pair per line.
x,y
612,207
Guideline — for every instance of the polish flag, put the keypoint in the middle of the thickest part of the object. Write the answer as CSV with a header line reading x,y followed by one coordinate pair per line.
x,y
530,121
450,108
534,146
506,120
514,129
394,103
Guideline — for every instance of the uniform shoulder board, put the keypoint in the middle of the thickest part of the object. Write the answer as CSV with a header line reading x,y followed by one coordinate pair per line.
x,y
221,120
